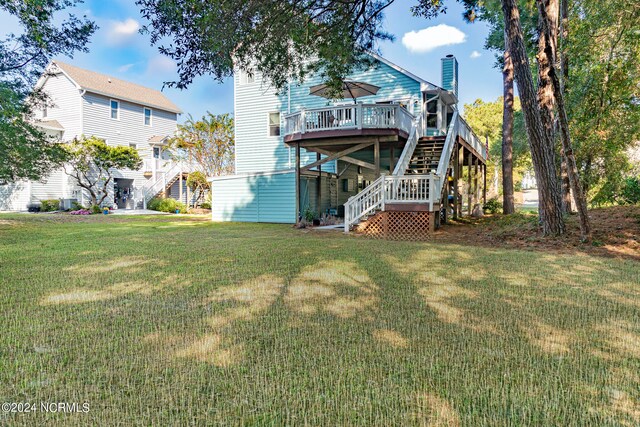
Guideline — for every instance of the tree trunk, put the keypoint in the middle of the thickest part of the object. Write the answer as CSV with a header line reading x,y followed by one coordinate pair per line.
x,y
546,98
565,185
572,169
508,206
542,150
564,66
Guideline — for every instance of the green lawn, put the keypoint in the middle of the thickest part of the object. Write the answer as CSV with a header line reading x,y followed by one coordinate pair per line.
x,y
176,321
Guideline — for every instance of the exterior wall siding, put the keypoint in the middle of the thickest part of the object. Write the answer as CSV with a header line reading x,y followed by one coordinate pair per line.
x,y
67,105
254,198
394,86
450,74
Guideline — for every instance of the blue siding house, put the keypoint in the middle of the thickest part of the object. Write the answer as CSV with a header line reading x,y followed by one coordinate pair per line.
x,y
297,152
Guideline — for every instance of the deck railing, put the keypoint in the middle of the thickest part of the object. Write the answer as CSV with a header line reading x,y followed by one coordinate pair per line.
x,y
356,116
409,147
465,131
165,177
390,190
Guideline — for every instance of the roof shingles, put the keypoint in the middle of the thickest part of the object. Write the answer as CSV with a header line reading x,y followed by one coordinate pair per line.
x,y
102,84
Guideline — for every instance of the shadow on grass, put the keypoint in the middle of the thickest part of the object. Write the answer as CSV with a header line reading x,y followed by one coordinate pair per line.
x,y
264,326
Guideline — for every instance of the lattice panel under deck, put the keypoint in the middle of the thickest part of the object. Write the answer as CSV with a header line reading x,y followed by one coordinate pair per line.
x,y
398,225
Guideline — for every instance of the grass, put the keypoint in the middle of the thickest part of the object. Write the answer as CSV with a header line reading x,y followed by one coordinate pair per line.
x,y
176,321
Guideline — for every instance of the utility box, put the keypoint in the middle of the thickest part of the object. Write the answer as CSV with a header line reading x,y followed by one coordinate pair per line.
x,y
67,204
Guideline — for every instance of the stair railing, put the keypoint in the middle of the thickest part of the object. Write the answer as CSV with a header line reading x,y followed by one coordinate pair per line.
x,y
447,151
409,148
368,200
160,184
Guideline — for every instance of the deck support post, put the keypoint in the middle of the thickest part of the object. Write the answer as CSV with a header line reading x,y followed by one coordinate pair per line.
x,y
476,188
484,185
470,190
456,174
319,186
376,157
297,183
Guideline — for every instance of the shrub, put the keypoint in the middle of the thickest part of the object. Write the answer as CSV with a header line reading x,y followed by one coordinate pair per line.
x,y
50,205
206,205
492,206
309,215
166,205
95,209
75,206
631,191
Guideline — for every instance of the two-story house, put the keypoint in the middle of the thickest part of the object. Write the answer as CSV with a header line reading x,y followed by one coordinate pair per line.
x,y
122,113
394,158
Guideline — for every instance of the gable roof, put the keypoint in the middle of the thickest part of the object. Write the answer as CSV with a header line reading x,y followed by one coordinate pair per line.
x,y
103,84
50,124
425,86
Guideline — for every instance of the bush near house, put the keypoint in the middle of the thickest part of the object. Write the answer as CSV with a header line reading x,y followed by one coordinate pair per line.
x,y
166,205
50,205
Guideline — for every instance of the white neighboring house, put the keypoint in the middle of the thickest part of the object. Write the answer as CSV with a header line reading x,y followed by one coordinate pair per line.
x,y
120,112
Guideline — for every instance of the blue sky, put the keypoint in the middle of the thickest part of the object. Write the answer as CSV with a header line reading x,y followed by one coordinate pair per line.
x,y
119,50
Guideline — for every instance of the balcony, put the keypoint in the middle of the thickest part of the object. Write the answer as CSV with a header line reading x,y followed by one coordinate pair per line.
x,y
348,120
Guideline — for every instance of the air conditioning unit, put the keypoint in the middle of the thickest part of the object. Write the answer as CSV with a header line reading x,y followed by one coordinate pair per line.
x,y
68,203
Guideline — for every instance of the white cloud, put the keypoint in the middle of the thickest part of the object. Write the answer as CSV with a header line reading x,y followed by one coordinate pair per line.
x,y
119,32
161,64
475,54
124,68
431,38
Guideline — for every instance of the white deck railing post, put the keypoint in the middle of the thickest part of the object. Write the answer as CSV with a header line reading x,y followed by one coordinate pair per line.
x,y
384,192
359,115
303,121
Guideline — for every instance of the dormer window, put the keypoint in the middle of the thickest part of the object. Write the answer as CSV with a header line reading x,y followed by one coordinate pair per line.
x,y
147,116
115,110
246,77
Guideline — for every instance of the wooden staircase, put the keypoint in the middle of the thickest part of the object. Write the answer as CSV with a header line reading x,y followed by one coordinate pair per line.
x,y
426,156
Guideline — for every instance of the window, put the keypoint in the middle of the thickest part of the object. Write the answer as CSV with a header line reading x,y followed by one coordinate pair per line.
x,y
156,152
274,124
432,113
246,77
147,116
115,110
132,145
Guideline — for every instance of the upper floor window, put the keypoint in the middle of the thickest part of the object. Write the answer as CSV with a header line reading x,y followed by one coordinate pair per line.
x,y
274,124
147,116
45,112
132,145
246,77
156,152
115,109
432,113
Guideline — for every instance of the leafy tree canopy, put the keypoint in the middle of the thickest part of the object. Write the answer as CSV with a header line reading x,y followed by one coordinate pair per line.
x,y
25,151
274,37
208,143
90,162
